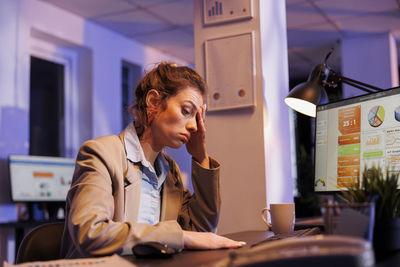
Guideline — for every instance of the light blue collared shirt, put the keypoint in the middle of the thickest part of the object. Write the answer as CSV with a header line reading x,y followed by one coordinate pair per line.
x,y
152,180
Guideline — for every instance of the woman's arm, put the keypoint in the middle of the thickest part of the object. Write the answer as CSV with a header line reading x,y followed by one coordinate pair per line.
x,y
96,223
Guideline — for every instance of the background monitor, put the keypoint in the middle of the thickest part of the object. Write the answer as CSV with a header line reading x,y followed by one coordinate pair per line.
x,y
39,178
354,133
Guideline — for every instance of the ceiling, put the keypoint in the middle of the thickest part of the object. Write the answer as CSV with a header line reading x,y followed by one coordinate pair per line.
x,y
314,26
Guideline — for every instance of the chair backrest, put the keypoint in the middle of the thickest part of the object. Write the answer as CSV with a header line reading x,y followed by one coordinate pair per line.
x,y
42,243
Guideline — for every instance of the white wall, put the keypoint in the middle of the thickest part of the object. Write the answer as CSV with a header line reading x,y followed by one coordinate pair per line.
x,y
252,145
275,76
100,53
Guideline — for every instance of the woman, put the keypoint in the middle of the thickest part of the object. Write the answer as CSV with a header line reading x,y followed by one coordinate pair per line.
x,y
125,190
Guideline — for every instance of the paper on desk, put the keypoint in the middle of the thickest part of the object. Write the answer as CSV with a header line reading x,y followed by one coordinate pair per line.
x,y
113,260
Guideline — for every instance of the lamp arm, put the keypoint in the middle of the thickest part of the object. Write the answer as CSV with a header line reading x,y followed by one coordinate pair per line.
x,y
360,85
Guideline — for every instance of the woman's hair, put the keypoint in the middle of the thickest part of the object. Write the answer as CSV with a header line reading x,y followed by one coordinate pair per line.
x,y
168,79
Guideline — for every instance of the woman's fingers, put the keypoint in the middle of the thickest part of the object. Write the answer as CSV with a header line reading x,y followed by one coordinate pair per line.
x,y
200,120
224,242
207,240
203,114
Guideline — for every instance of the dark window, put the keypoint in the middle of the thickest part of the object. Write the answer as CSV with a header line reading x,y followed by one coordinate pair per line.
x,y
46,127
131,74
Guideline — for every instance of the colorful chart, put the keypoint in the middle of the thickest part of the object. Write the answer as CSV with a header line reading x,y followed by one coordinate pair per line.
x,y
320,180
376,116
392,138
397,113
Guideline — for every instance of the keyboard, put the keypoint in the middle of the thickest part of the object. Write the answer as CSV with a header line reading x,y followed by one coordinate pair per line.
x,y
297,233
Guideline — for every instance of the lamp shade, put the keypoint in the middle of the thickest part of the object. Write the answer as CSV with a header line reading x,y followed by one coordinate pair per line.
x,y
306,96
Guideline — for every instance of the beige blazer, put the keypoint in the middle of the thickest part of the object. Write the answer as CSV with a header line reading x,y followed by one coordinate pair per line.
x,y
103,201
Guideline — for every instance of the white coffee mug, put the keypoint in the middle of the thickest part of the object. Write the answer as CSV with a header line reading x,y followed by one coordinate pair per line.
x,y
282,217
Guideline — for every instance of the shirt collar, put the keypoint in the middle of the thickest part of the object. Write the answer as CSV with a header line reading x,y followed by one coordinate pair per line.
x,y
134,151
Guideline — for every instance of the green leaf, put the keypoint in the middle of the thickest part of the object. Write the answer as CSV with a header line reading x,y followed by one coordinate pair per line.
x,y
374,184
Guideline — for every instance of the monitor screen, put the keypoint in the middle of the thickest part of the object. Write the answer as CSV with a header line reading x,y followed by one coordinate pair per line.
x,y
354,133
38,178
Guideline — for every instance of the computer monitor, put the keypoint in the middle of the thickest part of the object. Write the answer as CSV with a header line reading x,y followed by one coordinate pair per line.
x,y
354,133
39,178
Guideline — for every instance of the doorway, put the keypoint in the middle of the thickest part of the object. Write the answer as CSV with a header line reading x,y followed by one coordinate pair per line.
x,y
46,124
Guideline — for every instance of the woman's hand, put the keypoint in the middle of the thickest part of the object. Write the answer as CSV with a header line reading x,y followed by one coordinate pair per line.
x,y
196,146
208,240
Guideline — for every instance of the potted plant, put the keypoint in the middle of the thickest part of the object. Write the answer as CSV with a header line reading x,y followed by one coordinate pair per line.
x,y
381,188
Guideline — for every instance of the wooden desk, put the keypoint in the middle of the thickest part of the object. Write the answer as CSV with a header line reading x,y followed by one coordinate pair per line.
x,y
202,257
207,257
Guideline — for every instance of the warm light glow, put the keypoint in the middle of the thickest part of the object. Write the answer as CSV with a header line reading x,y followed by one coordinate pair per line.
x,y
301,106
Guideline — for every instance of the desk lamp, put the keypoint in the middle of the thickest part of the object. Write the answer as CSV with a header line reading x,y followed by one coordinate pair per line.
x,y
306,96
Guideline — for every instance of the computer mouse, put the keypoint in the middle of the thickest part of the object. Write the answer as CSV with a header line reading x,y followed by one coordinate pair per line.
x,y
152,249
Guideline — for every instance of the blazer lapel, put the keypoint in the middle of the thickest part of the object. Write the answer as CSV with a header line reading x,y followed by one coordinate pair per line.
x,y
133,186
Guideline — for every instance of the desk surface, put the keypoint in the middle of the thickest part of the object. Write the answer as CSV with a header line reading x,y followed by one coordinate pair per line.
x,y
202,257
206,257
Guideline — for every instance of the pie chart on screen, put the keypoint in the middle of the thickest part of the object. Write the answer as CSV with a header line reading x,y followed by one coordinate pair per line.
x,y
376,116
397,113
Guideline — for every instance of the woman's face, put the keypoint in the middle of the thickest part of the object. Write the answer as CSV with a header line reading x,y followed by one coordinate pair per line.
x,y
174,125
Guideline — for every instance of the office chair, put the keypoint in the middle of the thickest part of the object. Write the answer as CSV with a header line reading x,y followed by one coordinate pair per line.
x,y
42,243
